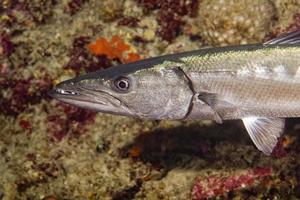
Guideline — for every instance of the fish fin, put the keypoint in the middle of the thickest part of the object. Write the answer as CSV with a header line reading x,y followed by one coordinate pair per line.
x,y
287,38
223,107
209,98
201,110
264,132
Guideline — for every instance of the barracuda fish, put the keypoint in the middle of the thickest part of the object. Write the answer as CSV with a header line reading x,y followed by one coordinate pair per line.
x,y
258,83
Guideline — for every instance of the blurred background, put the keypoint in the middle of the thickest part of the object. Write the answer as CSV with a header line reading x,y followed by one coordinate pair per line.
x,y
50,150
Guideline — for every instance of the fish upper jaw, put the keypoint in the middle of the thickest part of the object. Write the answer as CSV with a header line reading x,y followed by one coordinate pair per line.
x,y
65,90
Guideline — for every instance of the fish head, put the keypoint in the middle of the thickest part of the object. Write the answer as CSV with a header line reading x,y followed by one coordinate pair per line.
x,y
146,93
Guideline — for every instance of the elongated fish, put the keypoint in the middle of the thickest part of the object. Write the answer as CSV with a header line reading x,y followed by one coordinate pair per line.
x,y
258,83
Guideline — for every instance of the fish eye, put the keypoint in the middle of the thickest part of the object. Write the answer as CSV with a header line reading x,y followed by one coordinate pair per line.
x,y
122,84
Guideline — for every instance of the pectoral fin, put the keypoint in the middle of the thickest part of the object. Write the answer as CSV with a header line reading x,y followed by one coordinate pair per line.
x,y
201,110
264,132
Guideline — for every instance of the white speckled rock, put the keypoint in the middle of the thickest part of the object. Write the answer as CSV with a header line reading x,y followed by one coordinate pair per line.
x,y
228,22
286,9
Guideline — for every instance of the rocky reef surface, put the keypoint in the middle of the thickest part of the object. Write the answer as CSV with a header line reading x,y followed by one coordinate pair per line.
x,y
50,150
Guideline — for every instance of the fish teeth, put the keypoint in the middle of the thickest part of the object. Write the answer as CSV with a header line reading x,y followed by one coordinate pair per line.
x,y
61,91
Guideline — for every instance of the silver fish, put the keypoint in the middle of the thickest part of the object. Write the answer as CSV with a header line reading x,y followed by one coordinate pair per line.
x,y
258,83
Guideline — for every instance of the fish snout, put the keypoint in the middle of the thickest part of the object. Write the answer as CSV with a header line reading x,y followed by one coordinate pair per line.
x,y
64,89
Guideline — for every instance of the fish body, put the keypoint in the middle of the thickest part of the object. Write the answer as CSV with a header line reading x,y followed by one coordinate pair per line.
x,y
249,81
259,84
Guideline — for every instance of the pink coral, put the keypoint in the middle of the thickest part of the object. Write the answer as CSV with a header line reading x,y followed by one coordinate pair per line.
x,y
217,185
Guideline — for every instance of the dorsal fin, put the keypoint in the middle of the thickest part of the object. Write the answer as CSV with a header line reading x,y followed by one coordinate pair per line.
x,y
286,38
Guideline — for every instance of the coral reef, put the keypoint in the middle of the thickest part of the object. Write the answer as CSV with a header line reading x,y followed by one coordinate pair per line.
x,y
7,47
170,15
235,22
19,94
81,60
286,11
50,150
75,123
220,185
111,10
74,6
20,15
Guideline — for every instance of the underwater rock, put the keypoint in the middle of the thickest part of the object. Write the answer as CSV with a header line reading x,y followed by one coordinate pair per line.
x,y
286,11
170,15
6,46
234,22
111,10
74,6
219,185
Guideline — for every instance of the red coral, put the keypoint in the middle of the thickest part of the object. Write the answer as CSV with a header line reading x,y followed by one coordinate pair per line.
x,y
57,127
77,114
99,62
20,94
19,98
6,45
82,61
262,172
170,15
170,26
216,185
295,24
181,7
24,14
150,4
279,150
79,56
129,21
73,124
74,6
25,124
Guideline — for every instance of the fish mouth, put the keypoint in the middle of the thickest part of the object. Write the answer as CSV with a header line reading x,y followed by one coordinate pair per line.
x,y
85,98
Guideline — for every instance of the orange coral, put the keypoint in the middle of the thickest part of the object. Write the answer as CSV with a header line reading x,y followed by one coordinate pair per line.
x,y
113,49
132,57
